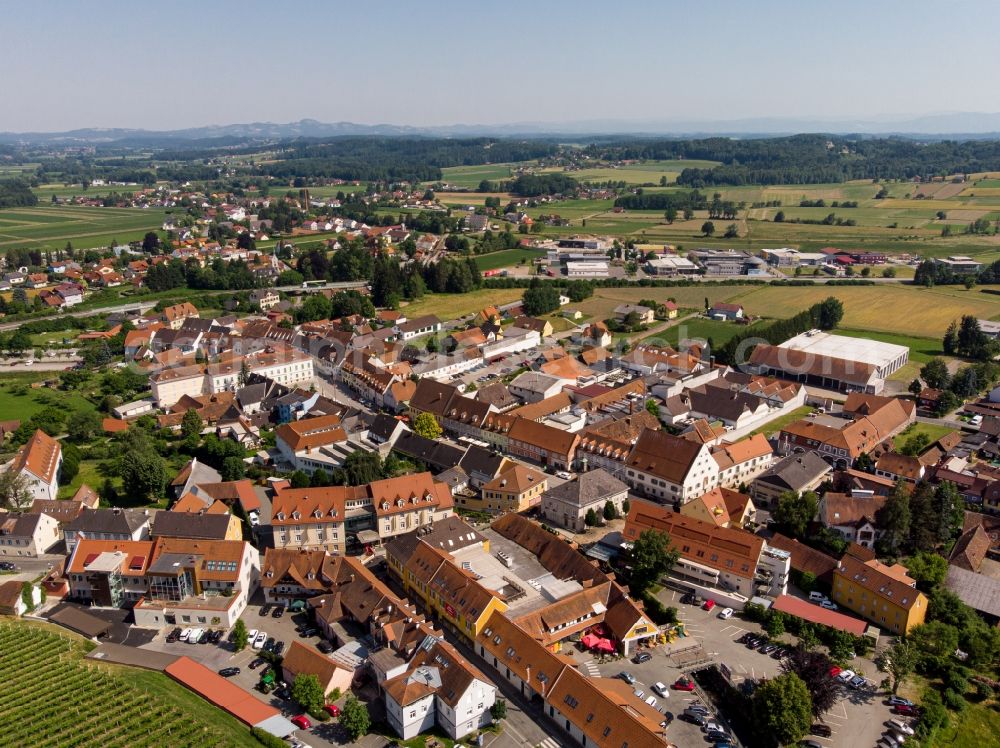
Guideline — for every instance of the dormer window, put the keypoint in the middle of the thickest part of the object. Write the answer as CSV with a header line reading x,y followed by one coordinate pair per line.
x,y
333,512
385,504
317,514
399,502
296,514
428,497
281,515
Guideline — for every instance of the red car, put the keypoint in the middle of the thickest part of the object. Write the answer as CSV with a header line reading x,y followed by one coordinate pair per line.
x,y
332,709
906,711
835,671
709,604
683,684
302,722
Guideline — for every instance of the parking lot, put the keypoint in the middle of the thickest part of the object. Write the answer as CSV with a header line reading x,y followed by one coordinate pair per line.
x,y
223,655
856,719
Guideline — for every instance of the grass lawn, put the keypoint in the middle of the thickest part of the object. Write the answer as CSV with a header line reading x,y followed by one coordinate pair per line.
x,y
699,328
772,427
451,306
933,431
18,400
52,698
971,729
507,258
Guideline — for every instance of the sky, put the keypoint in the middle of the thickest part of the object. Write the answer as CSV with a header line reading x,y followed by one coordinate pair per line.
x,y
185,64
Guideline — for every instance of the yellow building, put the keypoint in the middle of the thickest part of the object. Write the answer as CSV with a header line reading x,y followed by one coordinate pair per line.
x,y
885,595
448,593
516,489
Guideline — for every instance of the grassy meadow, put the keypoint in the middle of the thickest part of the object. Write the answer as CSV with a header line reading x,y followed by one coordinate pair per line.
x,y
48,226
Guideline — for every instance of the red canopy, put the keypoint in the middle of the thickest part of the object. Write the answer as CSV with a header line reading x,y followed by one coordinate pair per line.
x,y
590,641
604,645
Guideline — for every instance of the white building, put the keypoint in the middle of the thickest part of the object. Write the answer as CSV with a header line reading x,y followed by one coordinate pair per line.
x,y
886,358
440,687
587,269
514,340
669,468
39,461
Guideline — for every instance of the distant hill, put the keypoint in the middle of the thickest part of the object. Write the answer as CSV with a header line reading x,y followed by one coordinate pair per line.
x,y
959,125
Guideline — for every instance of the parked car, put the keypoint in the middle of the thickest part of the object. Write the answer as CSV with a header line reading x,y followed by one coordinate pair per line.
x,y
627,677
279,648
251,635
174,635
828,605
846,675
256,663
195,636
823,731
835,671
717,735
302,722
779,653
332,709
278,612
905,710
899,701
695,718
683,684
744,637
697,706
325,647
661,689
810,744
564,475
642,657
900,726
857,682
7,566
768,648
713,725
709,604
185,634
229,672
651,700
639,694
265,609
817,597
307,632
726,613
259,640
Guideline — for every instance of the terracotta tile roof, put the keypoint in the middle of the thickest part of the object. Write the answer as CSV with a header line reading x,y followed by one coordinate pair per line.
x,y
875,578
311,432
62,510
87,495
311,570
538,410
813,364
135,555
903,466
39,456
664,455
735,453
516,479
304,660
842,510
543,436
741,548
205,556
970,549
180,311
553,553
804,558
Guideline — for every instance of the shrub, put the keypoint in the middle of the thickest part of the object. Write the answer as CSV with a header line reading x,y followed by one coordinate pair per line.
x,y
265,738
953,700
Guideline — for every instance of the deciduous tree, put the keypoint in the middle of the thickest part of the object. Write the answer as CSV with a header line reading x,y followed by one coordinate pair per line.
x,y
355,719
782,709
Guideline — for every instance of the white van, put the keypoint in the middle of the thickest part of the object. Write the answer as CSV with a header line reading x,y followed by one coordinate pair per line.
x,y
976,420
817,597
195,636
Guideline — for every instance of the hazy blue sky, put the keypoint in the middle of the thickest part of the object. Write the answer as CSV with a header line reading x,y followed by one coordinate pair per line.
x,y
178,64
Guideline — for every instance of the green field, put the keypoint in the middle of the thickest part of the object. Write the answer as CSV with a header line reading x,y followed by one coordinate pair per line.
x,y
470,176
452,306
507,258
644,172
51,226
699,328
18,400
52,697
773,427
